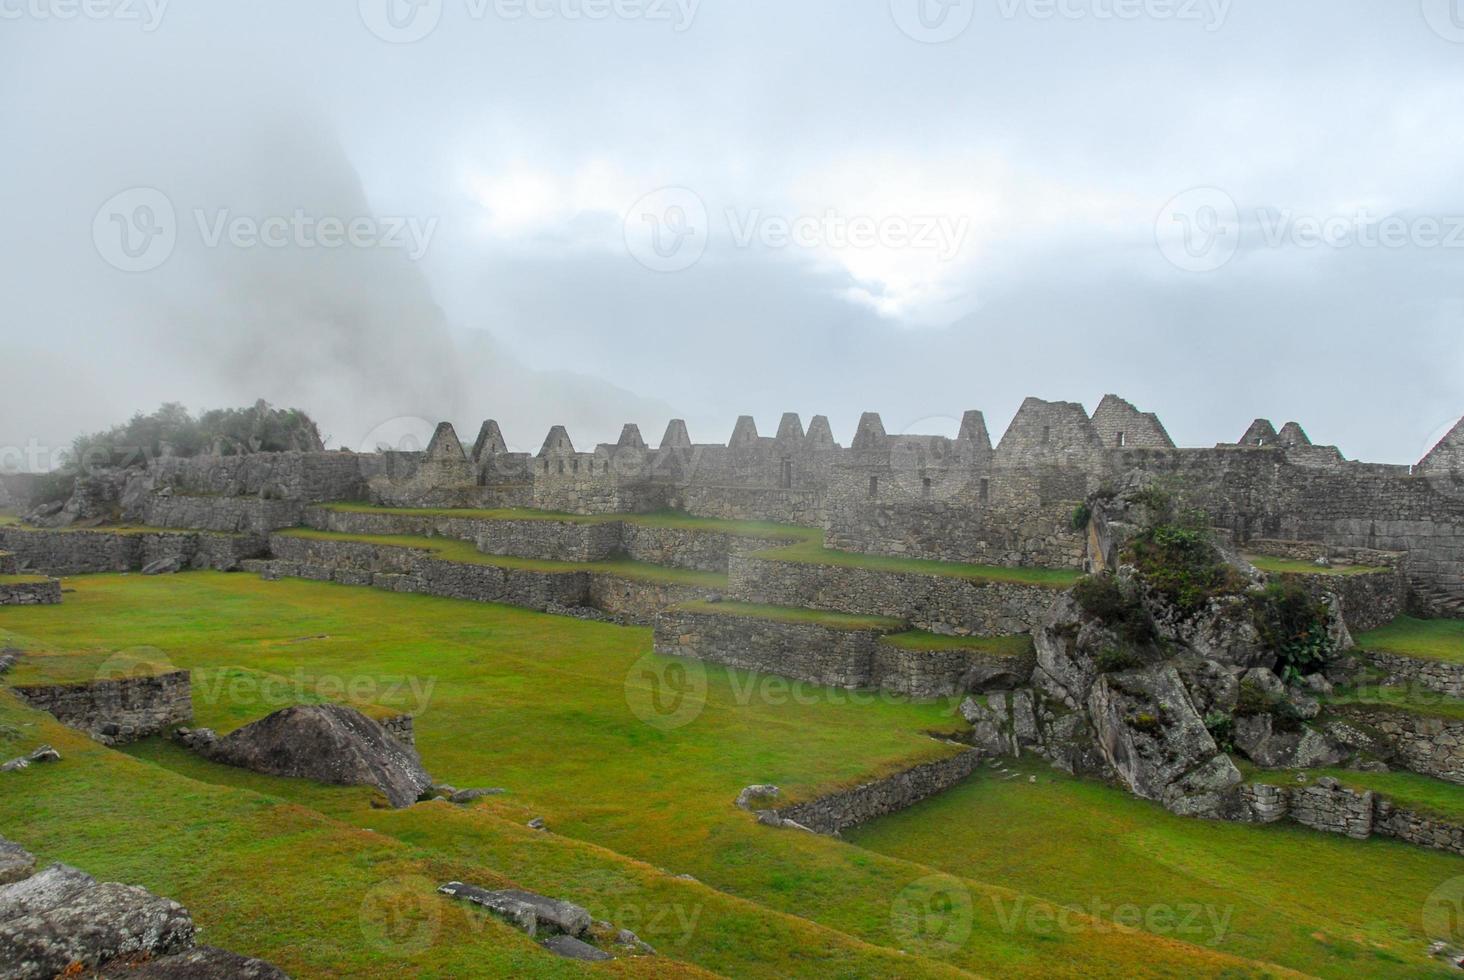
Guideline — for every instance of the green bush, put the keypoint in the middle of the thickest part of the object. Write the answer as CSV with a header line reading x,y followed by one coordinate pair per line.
x,y
1112,660
1181,562
1252,700
1294,624
227,431
1145,721
1222,729
1081,515
1102,598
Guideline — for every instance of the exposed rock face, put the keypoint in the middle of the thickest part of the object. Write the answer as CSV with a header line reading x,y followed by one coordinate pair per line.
x,y
93,926
1154,740
1300,748
533,914
329,743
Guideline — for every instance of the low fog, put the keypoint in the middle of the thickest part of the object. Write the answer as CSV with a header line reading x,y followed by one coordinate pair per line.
x,y
504,154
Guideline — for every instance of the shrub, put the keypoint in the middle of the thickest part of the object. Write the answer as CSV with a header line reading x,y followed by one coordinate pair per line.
x,y
1222,729
1252,700
1111,660
1294,624
1145,721
1081,516
1102,598
1181,562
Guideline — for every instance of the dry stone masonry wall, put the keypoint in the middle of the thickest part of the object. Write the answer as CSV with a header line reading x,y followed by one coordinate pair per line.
x,y
118,710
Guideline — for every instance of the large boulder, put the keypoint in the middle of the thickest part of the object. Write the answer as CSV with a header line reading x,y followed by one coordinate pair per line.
x,y
1273,746
329,743
1156,743
91,927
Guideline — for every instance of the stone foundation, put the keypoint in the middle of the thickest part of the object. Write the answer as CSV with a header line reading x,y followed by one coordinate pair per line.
x,y
839,811
1330,807
82,552
1428,746
40,592
802,651
1431,675
941,603
116,711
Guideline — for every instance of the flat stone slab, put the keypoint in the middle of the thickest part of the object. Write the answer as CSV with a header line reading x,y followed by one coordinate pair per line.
x,y
574,949
43,891
93,927
526,911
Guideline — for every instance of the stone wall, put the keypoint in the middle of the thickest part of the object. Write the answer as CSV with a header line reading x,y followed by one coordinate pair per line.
x,y
301,477
1313,550
940,673
243,515
80,552
803,651
1431,675
1429,746
839,811
41,592
979,607
404,569
120,710
550,540
1369,600
9,564
1332,808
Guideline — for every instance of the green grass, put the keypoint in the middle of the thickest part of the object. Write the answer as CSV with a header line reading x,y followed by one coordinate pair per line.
x,y
1430,639
22,579
1295,566
1410,698
1313,902
996,646
791,614
578,720
451,549
1410,791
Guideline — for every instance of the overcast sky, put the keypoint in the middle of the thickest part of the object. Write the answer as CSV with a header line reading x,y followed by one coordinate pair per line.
x,y
599,211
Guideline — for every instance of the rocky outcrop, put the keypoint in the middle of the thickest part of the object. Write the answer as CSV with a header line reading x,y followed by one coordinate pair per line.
x,y
1155,742
328,743
62,922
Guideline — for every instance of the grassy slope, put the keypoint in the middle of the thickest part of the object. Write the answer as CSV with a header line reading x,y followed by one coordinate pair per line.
x,y
545,706
1315,902
1431,639
1294,566
1415,700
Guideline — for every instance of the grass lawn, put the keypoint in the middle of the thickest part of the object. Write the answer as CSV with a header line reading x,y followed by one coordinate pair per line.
x,y
793,614
632,759
1317,903
996,646
1295,566
1431,639
22,579
451,549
